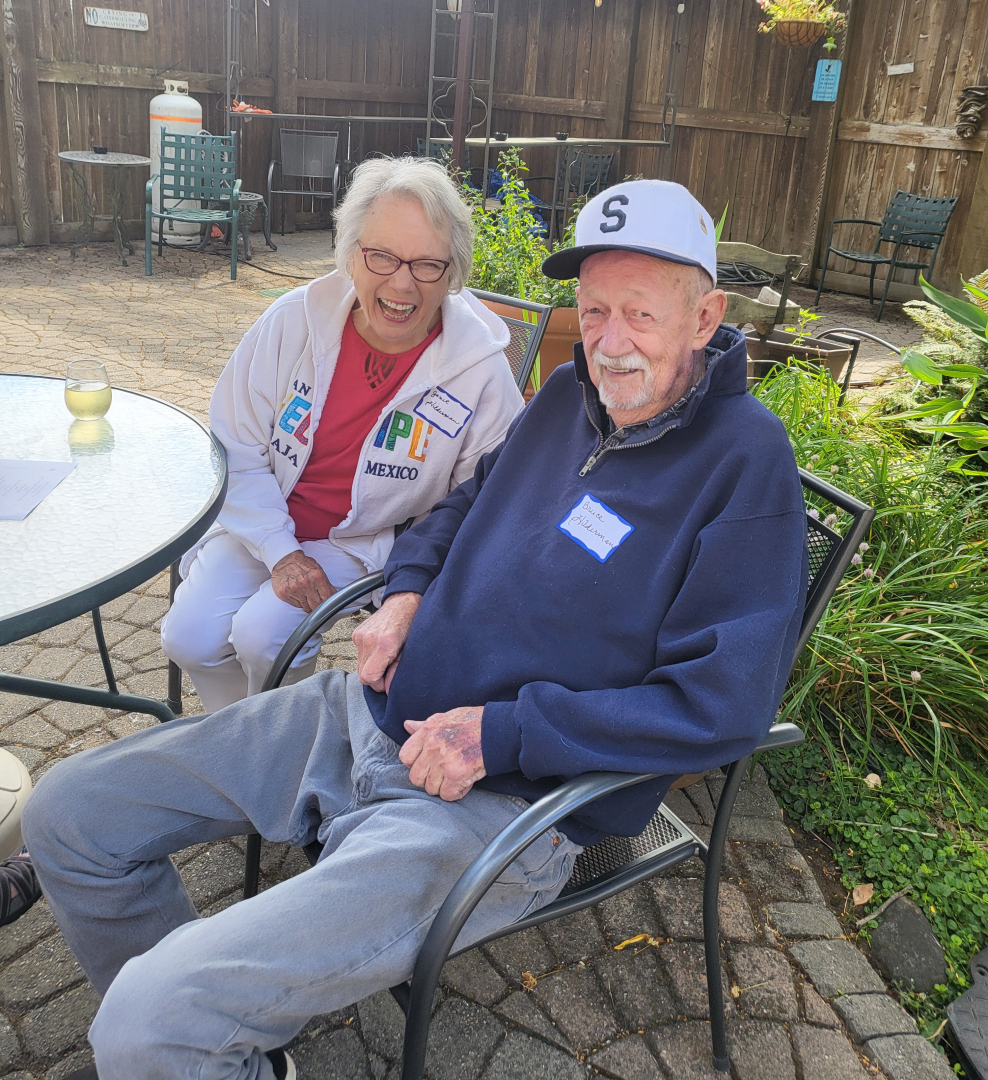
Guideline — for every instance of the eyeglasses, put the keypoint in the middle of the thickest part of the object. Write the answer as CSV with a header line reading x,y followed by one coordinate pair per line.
x,y
385,264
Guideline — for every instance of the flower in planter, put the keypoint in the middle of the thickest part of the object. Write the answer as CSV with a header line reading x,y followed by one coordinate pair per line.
x,y
818,11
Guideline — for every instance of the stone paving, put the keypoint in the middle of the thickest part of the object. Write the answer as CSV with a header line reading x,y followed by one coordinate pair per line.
x,y
554,1003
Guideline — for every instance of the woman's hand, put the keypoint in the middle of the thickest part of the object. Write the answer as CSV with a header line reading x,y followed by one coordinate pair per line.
x,y
300,581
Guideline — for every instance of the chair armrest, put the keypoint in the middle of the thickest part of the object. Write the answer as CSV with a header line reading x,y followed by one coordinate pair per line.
x,y
332,608
149,187
235,195
509,843
855,221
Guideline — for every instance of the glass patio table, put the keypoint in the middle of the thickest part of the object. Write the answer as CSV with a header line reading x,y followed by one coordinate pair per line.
x,y
148,482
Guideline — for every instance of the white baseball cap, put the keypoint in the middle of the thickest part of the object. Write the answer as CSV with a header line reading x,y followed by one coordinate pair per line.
x,y
655,217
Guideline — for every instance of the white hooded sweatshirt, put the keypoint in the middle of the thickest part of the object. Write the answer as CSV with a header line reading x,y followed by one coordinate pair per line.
x,y
455,405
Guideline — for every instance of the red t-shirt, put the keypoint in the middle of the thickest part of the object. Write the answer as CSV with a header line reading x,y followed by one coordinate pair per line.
x,y
363,382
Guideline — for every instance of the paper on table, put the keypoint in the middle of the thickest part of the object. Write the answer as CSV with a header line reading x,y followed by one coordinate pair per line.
x,y
24,484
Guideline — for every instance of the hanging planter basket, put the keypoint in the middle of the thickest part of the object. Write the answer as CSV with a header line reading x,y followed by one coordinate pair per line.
x,y
799,33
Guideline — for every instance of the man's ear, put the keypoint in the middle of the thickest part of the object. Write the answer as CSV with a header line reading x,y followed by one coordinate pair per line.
x,y
577,294
710,312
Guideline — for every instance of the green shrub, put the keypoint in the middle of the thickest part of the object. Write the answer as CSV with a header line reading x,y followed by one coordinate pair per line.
x,y
509,248
892,682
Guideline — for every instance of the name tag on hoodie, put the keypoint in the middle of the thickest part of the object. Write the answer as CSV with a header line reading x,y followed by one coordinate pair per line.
x,y
596,527
445,412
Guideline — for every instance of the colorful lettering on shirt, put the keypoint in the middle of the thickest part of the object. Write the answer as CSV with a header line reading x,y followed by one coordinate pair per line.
x,y
290,418
415,443
382,431
401,428
302,428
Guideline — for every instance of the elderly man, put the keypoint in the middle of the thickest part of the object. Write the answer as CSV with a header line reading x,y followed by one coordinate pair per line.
x,y
619,586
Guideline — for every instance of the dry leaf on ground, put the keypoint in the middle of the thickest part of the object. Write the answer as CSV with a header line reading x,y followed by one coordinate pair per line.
x,y
528,980
647,938
861,894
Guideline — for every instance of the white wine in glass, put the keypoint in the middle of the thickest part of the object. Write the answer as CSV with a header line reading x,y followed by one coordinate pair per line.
x,y
87,390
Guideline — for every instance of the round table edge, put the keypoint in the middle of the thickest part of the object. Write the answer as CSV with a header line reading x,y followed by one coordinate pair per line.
x,y
71,605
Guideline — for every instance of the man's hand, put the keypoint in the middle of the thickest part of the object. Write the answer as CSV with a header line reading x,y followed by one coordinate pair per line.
x,y
381,638
300,581
444,752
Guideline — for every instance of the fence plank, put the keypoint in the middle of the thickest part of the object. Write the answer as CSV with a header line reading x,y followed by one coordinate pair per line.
x,y
23,108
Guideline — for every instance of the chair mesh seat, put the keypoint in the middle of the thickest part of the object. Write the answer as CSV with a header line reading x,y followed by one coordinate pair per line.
x,y
863,256
664,832
192,214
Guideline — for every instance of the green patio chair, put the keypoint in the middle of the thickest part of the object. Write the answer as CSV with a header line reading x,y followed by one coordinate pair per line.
x,y
197,172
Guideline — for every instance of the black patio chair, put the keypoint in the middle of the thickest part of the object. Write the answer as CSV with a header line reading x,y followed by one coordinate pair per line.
x,y
909,221
305,156
527,322
618,862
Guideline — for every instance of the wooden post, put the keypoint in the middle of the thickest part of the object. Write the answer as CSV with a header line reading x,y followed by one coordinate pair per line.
x,y
974,251
464,98
23,108
818,159
620,78
285,87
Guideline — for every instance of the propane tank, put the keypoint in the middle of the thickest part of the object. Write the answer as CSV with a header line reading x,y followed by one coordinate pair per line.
x,y
174,111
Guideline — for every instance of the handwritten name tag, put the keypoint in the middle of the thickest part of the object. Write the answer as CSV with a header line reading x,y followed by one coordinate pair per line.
x,y
596,527
445,412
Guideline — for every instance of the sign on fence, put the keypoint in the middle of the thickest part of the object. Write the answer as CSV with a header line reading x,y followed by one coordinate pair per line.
x,y
827,78
111,19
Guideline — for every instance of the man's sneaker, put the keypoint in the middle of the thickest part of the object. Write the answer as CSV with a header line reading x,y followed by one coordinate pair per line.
x,y
284,1067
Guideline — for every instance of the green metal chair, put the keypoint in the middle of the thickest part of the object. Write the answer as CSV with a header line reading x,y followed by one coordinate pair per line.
x,y
196,170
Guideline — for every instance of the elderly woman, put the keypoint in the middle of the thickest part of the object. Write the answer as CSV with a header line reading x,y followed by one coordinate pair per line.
x,y
352,405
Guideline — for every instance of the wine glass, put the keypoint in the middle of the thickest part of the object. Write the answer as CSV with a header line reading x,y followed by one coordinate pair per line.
x,y
87,389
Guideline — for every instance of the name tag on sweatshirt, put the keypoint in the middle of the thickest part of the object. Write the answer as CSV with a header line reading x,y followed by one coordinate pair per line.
x,y
445,412
596,527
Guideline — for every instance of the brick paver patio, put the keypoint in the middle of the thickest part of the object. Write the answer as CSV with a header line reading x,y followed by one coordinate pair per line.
x,y
549,1004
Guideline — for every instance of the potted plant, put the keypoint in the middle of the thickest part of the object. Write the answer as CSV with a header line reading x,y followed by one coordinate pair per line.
x,y
800,23
508,253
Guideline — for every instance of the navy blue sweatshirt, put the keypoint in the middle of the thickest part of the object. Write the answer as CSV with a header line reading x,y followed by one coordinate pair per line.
x,y
660,649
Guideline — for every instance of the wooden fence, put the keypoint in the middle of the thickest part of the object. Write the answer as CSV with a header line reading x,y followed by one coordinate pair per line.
x,y
747,135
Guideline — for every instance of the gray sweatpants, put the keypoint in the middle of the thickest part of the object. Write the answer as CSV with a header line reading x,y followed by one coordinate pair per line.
x,y
201,999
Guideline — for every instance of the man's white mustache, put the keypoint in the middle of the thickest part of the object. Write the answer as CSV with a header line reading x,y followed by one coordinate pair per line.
x,y
633,361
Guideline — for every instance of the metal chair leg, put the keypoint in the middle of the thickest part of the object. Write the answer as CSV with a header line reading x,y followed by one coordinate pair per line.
x,y
889,275
252,865
711,921
174,699
104,654
266,225
823,274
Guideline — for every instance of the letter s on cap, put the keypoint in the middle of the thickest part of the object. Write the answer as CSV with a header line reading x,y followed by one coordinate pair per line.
x,y
619,216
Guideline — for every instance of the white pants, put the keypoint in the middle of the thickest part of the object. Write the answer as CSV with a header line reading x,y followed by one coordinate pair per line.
x,y
226,625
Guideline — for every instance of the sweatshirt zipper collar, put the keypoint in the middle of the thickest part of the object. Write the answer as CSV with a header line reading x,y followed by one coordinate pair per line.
x,y
665,422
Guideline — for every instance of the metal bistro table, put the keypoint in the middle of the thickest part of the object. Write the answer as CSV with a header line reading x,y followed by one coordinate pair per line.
x,y
560,202
149,481
118,163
